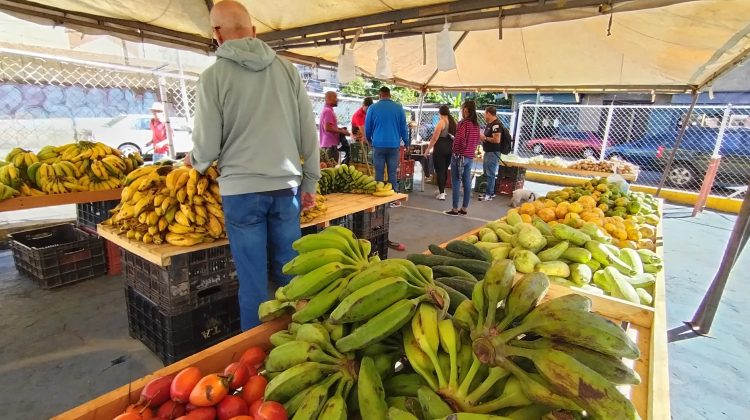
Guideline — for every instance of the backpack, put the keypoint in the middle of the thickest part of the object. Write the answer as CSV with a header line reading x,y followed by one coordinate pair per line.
x,y
506,140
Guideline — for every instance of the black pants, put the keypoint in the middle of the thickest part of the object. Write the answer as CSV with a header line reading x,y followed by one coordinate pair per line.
x,y
441,157
344,147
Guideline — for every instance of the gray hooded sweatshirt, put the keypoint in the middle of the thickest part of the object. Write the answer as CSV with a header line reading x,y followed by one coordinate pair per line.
x,y
254,116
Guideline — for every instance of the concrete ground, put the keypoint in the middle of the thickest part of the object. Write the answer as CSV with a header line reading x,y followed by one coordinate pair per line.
x,y
58,346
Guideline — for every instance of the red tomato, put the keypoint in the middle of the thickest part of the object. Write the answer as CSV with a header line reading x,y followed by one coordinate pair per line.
x,y
254,389
238,374
231,406
210,390
156,392
183,384
255,406
128,416
254,356
242,418
170,410
202,413
271,410
143,412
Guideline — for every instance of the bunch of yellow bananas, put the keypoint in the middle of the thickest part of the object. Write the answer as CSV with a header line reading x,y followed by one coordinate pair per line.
x,y
319,209
82,166
170,204
383,189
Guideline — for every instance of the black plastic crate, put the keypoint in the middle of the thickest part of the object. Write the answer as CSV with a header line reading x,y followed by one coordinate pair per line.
x,y
511,172
58,255
360,153
345,221
91,214
175,336
368,224
379,244
189,281
406,185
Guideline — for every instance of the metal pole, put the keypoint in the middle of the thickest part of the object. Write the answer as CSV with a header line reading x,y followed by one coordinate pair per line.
x,y
607,128
722,129
163,97
704,315
419,112
677,142
517,129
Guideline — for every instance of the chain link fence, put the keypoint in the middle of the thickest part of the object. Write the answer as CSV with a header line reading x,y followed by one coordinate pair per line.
x,y
47,101
645,136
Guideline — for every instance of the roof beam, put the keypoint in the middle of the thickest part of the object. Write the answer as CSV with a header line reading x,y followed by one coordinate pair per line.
x,y
118,27
428,25
442,9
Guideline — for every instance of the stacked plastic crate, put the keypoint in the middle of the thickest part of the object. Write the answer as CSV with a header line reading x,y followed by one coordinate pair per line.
x,y
185,307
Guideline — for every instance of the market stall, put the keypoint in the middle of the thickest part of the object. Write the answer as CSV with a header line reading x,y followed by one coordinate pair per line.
x,y
630,177
31,202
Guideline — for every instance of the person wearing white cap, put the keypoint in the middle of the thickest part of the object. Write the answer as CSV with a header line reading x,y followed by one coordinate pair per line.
x,y
159,137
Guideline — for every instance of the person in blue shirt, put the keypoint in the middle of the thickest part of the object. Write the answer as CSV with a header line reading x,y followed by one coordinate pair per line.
x,y
385,128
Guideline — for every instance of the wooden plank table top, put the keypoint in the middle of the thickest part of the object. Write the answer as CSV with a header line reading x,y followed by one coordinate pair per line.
x,y
339,205
24,203
568,171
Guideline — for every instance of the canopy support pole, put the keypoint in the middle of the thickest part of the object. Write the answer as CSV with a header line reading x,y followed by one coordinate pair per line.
x,y
704,315
677,142
419,114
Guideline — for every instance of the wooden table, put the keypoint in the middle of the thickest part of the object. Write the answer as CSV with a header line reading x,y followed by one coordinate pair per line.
x,y
339,205
567,171
24,203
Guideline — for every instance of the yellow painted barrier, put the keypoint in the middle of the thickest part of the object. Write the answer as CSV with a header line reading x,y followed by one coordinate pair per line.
x,y
724,204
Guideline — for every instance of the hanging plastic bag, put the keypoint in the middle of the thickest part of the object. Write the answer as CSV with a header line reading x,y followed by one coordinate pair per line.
x,y
446,57
618,180
383,67
346,67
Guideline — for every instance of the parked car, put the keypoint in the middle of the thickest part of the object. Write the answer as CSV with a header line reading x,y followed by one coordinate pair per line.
x,y
130,133
583,144
695,152
642,152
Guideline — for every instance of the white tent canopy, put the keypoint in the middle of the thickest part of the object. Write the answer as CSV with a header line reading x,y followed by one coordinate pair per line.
x,y
514,45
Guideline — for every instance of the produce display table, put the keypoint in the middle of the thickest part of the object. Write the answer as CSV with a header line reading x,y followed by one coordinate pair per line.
x,y
648,328
338,204
568,171
24,203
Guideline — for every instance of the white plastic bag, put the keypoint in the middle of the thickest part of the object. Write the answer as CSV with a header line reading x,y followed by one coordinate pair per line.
x,y
383,67
446,57
346,67
621,183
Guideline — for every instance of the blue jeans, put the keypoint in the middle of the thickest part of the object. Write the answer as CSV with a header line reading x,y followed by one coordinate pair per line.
x,y
261,230
459,179
155,157
386,156
491,164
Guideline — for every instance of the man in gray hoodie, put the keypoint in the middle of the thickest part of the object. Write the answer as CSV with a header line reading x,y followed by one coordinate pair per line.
x,y
253,116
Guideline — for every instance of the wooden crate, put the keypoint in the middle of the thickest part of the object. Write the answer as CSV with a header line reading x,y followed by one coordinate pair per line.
x,y
213,359
648,328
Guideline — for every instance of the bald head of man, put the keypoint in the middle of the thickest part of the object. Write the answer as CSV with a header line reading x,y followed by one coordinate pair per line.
x,y
231,20
332,98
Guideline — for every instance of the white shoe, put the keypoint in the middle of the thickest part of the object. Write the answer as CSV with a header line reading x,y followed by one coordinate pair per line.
x,y
440,196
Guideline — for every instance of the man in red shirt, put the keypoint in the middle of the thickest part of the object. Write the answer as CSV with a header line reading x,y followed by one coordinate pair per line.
x,y
358,120
159,137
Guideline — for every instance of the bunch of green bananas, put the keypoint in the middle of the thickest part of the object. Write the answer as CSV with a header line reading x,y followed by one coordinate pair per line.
x,y
346,179
21,158
170,204
8,192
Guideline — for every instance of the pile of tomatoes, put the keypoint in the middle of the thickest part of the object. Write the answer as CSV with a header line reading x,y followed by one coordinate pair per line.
x,y
235,394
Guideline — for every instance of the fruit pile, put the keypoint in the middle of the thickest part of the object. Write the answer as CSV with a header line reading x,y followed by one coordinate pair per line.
x,y
556,162
82,166
628,217
613,166
320,208
373,339
582,257
234,394
176,205
348,179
